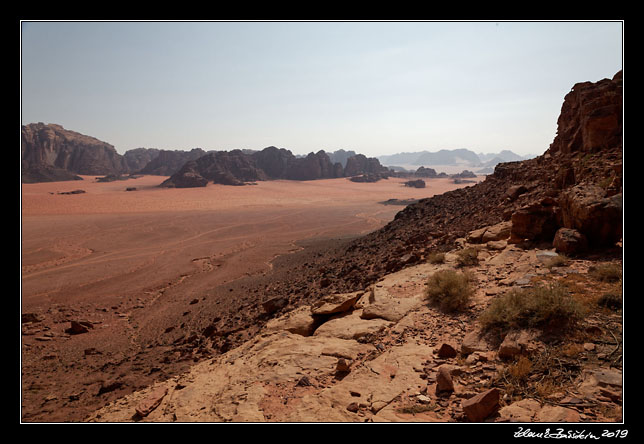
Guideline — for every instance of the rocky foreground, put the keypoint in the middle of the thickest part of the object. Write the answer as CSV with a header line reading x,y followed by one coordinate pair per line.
x,y
386,354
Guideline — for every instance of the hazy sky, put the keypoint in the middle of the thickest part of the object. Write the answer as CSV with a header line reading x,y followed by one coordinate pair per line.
x,y
374,87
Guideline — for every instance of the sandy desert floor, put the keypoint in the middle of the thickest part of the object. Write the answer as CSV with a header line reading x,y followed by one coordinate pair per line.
x,y
134,262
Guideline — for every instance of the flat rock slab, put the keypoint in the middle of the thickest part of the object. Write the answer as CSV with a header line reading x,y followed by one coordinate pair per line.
x,y
150,403
390,309
351,326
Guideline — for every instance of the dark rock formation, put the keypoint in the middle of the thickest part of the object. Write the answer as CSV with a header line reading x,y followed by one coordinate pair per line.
x,y
49,150
274,161
167,162
341,157
419,183
220,167
360,164
314,166
426,172
138,158
591,117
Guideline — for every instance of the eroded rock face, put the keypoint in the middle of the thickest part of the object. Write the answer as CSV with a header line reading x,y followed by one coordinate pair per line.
x,y
53,148
591,117
587,209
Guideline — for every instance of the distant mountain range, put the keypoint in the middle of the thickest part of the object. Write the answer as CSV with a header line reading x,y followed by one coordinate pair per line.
x,y
50,152
458,157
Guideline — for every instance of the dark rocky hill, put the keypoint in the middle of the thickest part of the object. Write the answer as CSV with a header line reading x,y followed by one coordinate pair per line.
x,y
50,152
237,167
168,162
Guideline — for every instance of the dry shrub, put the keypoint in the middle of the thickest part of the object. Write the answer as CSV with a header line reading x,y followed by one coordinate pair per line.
x,y
541,306
606,272
520,370
467,257
612,301
436,258
449,290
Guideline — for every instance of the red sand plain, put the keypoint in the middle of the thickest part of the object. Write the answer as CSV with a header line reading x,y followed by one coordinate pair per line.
x,y
131,260
108,241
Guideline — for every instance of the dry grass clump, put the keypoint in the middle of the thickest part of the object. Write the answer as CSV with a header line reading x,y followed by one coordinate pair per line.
x,y
449,290
436,258
467,257
606,272
612,301
540,306
548,371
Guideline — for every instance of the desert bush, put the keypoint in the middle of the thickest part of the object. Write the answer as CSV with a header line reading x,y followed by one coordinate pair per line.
x,y
449,290
540,306
610,300
436,258
467,257
606,272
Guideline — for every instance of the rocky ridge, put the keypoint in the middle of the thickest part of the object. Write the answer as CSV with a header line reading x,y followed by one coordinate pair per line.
x,y
384,354
516,219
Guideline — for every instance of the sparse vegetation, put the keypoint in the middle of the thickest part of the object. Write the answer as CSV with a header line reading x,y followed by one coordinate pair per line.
x,y
540,375
436,258
467,257
608,272
417,408
449,290
541,306
612,301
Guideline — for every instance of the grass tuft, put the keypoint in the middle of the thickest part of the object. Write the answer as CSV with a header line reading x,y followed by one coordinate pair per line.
x,y
541,306
449,290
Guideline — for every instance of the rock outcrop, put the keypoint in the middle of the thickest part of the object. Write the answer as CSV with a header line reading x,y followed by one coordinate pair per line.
x,y
50,152
167,162
591,118
361,164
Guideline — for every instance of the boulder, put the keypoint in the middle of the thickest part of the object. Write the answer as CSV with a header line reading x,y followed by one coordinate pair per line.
x,y
447,350
444,384
299,321
570,241
145,407
274,304
418,183
497,232
482,405
586,208
534,222
336,303
474,341
515,191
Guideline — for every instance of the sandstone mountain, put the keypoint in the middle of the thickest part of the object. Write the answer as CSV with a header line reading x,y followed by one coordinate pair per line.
x,y
138,158
50,152
168,162
237,167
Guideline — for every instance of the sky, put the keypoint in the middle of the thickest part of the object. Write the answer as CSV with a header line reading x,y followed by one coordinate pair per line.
x,y
373,87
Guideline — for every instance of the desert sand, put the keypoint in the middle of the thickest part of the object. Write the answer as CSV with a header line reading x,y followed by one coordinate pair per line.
x,y
136,264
